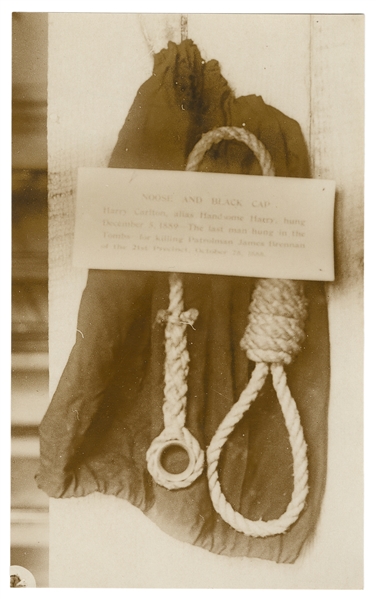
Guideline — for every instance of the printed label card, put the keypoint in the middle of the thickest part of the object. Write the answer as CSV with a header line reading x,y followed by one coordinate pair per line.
x,y
213,223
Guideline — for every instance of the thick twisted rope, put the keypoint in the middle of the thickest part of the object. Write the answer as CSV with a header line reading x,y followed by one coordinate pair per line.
x,y
177,357
272,338
175,434
231,133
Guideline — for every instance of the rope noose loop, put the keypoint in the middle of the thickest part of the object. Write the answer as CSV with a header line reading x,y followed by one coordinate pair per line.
x,y
273,337
175,434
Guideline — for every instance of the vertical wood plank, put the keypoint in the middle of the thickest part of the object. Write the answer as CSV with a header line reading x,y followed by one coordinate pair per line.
x,y
337,130
337,147
266,55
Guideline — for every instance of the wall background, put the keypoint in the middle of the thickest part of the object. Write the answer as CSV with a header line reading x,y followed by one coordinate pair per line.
x,y
310,67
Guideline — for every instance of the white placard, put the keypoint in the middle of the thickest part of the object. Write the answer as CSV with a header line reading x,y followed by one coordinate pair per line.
x,y
213,223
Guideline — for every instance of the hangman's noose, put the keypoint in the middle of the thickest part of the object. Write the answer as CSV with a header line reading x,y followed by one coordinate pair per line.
x,y
272,338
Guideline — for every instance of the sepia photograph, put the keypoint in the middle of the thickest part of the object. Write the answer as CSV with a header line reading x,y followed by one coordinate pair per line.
x,y
187,300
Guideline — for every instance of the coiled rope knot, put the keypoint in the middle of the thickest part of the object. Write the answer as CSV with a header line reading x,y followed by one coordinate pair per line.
x,y
276,321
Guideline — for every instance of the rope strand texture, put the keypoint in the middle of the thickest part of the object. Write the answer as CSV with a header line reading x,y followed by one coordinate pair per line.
x,y
174,406
277,333
231,133
273,337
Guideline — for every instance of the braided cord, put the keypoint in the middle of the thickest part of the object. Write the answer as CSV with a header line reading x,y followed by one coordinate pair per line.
x,y
177,359
175,395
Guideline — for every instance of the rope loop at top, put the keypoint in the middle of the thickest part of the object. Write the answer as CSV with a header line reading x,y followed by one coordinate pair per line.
x,y
231,134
